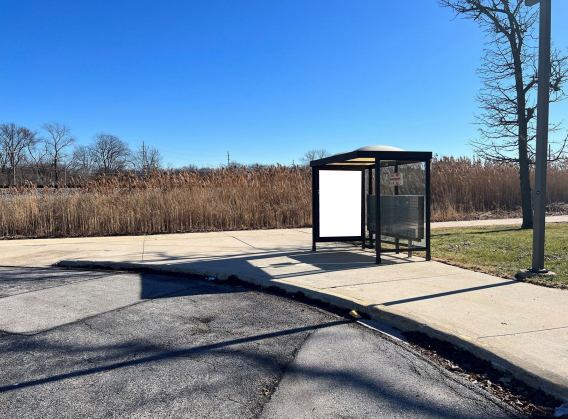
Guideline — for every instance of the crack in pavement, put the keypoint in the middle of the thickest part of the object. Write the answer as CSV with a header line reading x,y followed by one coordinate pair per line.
x,y
242,241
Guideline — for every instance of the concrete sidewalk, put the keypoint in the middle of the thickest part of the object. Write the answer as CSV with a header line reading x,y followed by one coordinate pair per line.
x,y
519,327
498,222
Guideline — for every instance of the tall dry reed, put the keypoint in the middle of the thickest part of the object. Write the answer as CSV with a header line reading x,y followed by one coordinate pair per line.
x,y
235,199
225,199
463,188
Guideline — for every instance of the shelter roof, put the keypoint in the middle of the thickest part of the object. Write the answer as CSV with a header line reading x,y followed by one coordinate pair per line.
x,y
364,157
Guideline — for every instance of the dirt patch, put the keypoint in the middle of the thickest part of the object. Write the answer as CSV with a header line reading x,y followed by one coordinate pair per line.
x,y
532,402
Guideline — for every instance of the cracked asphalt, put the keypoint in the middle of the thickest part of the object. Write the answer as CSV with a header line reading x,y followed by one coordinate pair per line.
x,y
106,344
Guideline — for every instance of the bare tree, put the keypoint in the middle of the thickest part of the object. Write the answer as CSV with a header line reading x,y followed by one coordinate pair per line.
x,y
38,154
3,159
314,155
14,141
256,167
235,165
508,97
189,168
108,153
146,159
81,162
58,140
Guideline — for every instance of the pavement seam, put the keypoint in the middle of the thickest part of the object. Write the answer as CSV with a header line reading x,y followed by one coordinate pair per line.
x,y
284,372
461,381
394,280
522,333
143,245
84,319
242,241
56,286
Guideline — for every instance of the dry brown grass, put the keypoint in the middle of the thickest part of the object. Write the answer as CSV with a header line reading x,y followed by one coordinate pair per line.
x,y
466,189
236,199
278,197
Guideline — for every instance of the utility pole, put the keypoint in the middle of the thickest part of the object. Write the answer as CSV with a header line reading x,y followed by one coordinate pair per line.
x,y
541,133
144,159
14,167
228,162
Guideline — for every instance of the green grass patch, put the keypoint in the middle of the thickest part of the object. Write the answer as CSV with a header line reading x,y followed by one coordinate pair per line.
x,y
503,250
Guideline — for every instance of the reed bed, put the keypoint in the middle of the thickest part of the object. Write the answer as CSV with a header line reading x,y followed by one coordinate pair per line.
x,y
469,189
237,199
225,199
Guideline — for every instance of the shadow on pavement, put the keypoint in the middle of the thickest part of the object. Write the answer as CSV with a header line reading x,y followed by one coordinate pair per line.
x,y
444,294
266,264
374,387
166,355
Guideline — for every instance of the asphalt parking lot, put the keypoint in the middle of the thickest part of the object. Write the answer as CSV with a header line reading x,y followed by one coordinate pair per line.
x,y
107,344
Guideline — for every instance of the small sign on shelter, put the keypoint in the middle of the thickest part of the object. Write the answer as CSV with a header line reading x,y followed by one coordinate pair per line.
x,y
396,179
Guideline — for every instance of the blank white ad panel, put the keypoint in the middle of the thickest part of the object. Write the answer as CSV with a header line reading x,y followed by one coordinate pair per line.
x,y
340,203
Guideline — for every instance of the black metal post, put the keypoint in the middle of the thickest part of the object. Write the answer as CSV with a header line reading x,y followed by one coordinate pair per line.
x,y
363,208
315,206
371,193
396,240
428,256
378,211
396,186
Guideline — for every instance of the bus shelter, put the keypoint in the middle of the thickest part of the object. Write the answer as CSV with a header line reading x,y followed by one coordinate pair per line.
x,y
379,195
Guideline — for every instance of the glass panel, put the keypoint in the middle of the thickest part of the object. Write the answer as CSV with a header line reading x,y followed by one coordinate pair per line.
x,y
403,203
340,203
402,216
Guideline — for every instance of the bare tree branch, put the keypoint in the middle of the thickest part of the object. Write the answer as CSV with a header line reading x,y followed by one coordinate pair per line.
x,y
509,75
59,138
14,142
108,153
313,154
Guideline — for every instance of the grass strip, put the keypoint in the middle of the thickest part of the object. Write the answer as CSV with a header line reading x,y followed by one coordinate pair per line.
x,y
503,251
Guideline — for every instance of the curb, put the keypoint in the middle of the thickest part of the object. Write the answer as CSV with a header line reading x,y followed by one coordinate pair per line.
x,y
541,379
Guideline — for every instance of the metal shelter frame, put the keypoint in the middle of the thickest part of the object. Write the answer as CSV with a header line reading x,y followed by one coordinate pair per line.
x,y
365,160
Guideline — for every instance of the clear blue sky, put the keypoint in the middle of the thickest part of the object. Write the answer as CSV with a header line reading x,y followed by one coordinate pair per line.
x,y
265,80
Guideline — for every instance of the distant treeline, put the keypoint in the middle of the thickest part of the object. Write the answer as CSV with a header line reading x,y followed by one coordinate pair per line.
x,y
51,157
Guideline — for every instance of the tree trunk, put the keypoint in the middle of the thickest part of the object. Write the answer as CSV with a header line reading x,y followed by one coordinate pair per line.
x,y
524,176
524,164
523,131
